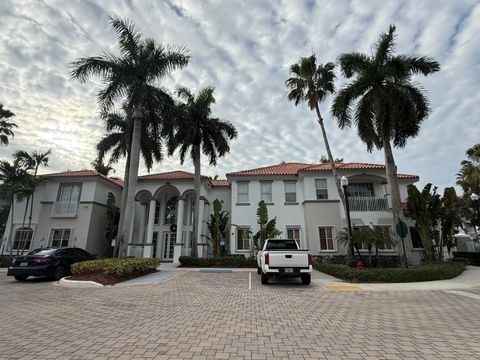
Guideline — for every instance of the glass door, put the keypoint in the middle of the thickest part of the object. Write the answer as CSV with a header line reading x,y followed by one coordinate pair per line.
x,y
169,239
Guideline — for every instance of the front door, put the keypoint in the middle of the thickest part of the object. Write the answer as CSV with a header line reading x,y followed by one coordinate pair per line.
x,y
169,239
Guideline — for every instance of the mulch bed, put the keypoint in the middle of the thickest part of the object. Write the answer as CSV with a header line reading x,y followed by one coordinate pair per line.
x,y
107,279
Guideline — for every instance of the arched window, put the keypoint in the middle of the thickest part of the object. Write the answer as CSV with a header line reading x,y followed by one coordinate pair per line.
x,y
23,238
171,210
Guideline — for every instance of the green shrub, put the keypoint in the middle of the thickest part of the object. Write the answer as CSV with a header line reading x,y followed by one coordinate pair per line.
x,y
429,272
6,261
115,266
229,260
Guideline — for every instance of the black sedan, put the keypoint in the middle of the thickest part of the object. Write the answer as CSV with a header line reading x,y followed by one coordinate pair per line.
x,y
50,262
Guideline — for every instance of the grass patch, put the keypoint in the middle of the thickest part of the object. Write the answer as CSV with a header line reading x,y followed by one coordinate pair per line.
x,y
219,261
429,272
117,267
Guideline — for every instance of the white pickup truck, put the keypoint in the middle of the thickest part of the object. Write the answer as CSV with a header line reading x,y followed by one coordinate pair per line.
x,y
283,258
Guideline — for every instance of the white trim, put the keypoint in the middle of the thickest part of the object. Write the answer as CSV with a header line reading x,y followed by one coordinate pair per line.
x,y
50,236
334,238
242,227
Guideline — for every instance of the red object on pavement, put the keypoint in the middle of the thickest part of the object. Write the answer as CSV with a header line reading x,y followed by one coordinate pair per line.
x,y
360,265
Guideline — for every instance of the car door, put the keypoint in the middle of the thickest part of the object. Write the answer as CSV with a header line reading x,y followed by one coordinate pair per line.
x,y
67,257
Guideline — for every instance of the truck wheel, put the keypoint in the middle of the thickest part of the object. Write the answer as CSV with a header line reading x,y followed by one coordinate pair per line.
x,y
264,279
259,270
305,279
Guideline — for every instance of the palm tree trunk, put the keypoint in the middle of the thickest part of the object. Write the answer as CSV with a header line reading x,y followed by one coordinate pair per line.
x,y
12,207
20,243
123,205
31,207
335,177
132,181
196,207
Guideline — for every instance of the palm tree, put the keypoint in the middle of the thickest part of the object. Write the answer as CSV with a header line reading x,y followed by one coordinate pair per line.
x,y
311,83
389,106
469,175
33,162
100,167
117,141
197,132
13,181
5,126
134,75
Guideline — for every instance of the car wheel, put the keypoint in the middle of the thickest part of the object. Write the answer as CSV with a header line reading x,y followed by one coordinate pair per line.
x,y
264,279
259,270
306,279
20,277
59,272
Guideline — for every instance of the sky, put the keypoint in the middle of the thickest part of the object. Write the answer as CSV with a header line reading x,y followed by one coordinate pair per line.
x,y
244,49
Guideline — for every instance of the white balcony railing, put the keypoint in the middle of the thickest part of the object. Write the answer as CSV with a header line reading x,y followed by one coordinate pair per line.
x,y
368,203
65,208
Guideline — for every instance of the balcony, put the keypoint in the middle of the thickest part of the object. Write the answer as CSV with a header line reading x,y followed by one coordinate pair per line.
x,y
368,203
65,209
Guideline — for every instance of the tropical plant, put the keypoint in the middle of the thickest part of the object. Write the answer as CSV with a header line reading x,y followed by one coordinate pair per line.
x,y
389,106
195,132
5,126
450,217
311,83
31,162
268,229
424,208
100,167
324,160
217,226
469,175
14,180
111,223
134,74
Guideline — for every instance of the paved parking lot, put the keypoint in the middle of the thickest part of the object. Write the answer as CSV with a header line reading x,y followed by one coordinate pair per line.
x,y
216,316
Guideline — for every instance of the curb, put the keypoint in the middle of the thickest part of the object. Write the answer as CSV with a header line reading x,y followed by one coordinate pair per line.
x,y
79,283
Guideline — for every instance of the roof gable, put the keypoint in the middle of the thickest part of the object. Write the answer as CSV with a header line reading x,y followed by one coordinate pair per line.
x,y
83,174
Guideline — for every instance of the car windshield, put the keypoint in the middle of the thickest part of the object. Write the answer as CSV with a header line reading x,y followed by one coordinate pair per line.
x,y
42,252
282,245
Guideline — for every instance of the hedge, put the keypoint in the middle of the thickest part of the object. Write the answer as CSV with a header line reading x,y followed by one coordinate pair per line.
x,y
429,272
6,261
115,266
228,260
471,257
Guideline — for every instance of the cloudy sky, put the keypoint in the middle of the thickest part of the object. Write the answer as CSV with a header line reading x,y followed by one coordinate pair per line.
x,y
244,50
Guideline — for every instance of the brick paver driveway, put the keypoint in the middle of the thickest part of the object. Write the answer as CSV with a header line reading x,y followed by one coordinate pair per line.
x,y
216,316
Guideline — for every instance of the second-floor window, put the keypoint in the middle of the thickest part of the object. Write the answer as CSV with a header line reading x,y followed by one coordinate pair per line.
x,y
360,190
266,191
171,211
321,189
67,200
242,192
290,191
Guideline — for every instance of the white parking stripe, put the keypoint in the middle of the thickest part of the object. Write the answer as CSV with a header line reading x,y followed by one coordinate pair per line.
x,y
464,293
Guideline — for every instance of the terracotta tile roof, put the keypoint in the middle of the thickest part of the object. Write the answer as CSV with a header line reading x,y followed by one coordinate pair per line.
x,y
219,183
86,173
295,168
280,169
171,175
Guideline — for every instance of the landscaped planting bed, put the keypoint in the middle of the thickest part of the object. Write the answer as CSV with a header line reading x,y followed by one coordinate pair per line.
x,y
112,271
6,261
429,272
219,261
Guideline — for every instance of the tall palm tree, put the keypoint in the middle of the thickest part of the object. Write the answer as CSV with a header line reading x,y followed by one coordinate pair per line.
x,y
5,126
134,75
29,162
389,106
197,132
469,175
311,83
14,179
100,167
117,142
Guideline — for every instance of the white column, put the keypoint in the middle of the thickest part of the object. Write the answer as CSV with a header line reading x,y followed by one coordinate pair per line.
x,y
141,226
200,238
148,246
179,243
130,235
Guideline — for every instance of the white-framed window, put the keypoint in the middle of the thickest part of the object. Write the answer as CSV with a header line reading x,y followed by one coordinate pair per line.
x,y
360,190
60,237
266,191
171,211
385,231
294,234
156,218
321,189
243,239
23,238
242,192
67,200
416,239
326,235
290,191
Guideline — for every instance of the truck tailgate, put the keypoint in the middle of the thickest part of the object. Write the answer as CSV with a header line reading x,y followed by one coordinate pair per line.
x,y
288,259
